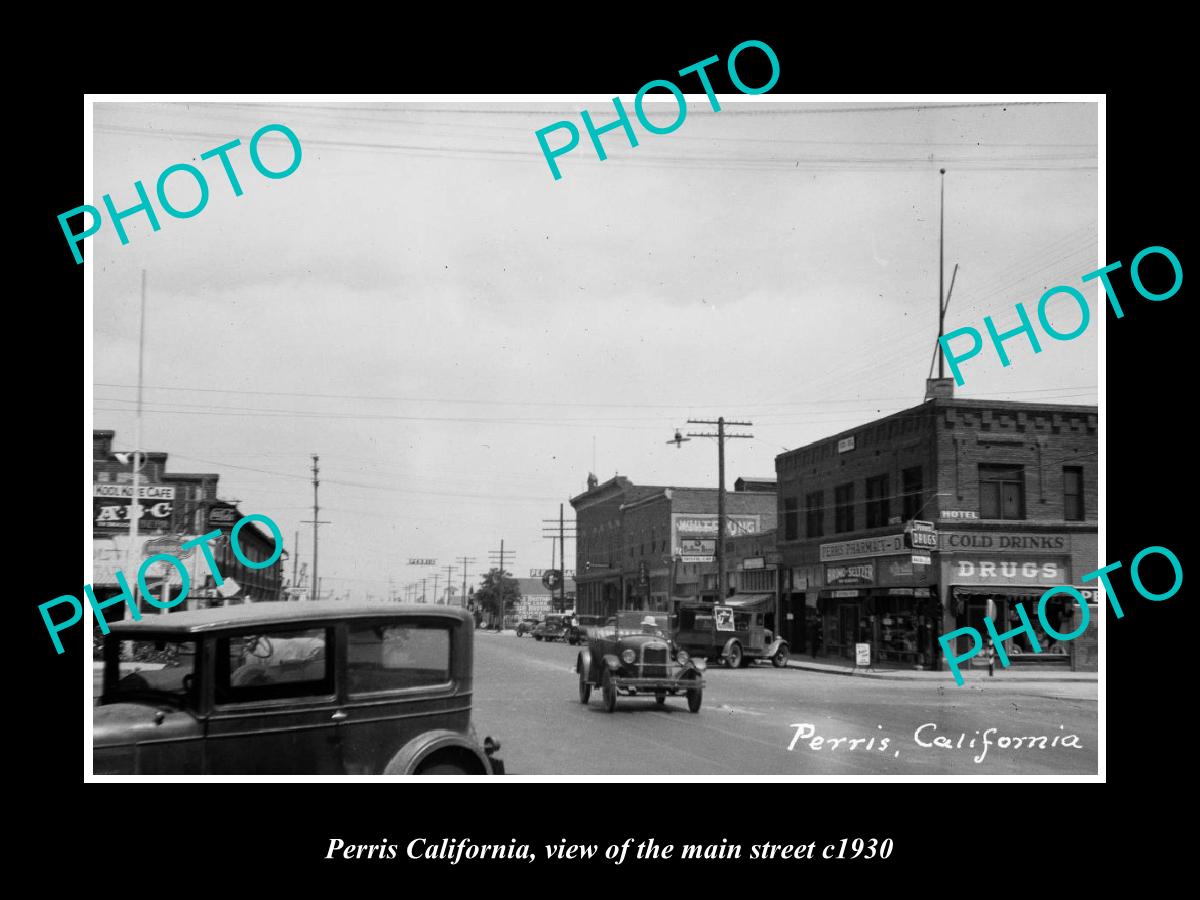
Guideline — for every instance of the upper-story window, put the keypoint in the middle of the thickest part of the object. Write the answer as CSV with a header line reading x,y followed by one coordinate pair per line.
x,y
1001,492
913,489
1073,493
791,519
878,507
814,512
843,502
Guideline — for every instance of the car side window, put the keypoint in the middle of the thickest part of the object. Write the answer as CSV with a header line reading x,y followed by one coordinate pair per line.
x,y
385,657
274,664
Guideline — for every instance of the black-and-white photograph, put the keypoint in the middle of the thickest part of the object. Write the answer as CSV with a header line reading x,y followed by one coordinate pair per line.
x,y
560,438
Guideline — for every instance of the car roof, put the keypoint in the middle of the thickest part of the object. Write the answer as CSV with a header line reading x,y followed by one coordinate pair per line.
x,y
266,614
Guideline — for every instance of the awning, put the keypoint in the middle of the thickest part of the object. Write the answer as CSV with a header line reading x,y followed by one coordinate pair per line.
x,y
964,591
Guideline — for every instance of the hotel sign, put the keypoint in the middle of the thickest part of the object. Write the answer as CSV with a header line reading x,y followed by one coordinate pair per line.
x,y
878,546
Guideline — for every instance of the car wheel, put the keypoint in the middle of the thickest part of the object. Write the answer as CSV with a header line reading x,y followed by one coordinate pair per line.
x,y
734,658
585,688
779,660
660,697
610,691
694,696
747,661
537,637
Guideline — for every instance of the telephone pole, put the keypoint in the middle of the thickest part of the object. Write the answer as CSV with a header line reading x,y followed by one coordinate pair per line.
x,y
494,554
722,437
549,531
465,560
450,570
316,524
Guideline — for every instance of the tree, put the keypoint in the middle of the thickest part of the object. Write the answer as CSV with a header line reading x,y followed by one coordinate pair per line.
x,y
494,589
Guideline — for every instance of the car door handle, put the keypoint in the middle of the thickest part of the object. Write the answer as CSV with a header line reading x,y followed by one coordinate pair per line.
x,y
339,715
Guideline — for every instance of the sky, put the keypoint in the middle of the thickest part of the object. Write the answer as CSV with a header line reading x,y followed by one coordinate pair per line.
x,y
461,338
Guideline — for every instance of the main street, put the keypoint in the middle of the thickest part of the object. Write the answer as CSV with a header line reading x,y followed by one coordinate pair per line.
x,y
526,697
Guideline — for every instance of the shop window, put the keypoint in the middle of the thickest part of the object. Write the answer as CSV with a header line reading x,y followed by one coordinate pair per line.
x,y
913,489
1073,493
815,513
791,519
1002,492
878,509
843,502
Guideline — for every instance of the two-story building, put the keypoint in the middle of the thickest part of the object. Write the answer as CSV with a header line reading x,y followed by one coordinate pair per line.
x,y
1011,489
175,508
639,546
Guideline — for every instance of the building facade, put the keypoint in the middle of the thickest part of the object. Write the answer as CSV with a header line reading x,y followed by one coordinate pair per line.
x,y
1012,491
638,546
176,508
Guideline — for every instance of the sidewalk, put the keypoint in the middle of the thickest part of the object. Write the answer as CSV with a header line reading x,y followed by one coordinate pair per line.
x,y
845,667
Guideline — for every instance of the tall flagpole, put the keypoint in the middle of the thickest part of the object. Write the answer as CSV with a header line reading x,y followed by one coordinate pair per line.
x,y
941,279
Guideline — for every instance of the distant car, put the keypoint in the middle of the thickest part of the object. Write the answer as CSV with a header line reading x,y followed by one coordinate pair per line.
x,y
578,632
633,654
526,626
731,631
292,689
551,628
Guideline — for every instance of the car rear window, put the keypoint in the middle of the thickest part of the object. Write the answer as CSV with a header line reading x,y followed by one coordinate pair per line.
x,y
384,657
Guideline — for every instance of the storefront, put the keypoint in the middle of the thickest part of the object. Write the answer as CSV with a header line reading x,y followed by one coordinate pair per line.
x,y
871,593
987,573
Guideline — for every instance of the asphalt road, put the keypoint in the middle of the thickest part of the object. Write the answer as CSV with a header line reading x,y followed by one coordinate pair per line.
x,y
526,696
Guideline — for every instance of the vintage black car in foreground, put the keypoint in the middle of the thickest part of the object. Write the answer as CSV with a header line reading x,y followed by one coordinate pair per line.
x,y
292,689
634,655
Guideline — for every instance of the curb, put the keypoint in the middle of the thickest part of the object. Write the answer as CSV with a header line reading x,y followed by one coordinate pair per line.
x,y
896,676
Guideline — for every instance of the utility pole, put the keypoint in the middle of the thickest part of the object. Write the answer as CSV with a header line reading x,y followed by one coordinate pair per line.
x,y
423,598
296,563
722,437
135,506
549,531
500,584
316,524
436,576
465,560
450,570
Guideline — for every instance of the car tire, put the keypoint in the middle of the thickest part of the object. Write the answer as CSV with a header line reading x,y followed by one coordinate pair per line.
x,y
660,697
537,637
780,659
610,691
694,696
585,688
734,658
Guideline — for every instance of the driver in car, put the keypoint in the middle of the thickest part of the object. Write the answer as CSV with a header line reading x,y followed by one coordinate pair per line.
x,y
650,626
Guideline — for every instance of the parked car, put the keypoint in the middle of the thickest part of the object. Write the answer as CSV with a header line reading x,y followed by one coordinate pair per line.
x,y
732,631
578,632
292,689
526,626
634,654
551,628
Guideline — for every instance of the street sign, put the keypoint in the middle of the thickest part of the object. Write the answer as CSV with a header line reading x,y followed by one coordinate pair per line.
x,y
921,559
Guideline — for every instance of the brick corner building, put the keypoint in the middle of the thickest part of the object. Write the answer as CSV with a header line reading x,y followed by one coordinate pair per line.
x,y
1012,490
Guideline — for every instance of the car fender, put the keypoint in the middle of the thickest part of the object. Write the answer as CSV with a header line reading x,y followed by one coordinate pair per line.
x,y
584,664
412,754
774,647
729,643
612,661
